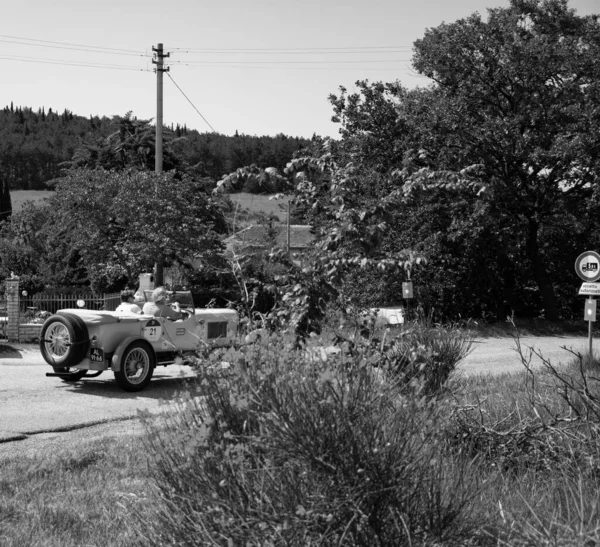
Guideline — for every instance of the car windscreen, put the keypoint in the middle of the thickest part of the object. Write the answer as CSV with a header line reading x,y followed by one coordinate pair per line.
x,y
183,298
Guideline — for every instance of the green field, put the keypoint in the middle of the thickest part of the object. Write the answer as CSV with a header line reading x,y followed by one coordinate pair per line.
x,y
256,203
19,197
252,202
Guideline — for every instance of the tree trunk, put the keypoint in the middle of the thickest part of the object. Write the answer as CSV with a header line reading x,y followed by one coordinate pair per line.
x,y
540,273
505,302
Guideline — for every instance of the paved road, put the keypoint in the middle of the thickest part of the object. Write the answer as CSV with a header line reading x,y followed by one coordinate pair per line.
x,y
32,405
499,355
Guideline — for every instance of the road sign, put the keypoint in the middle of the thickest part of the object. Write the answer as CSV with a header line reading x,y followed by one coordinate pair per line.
x,y
587,266
591,289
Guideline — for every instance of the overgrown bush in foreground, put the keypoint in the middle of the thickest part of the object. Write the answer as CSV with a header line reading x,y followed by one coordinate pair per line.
x,y
537,438
292,450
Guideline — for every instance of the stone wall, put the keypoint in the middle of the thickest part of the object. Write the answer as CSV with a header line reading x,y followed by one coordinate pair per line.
x,y
15,331
30,332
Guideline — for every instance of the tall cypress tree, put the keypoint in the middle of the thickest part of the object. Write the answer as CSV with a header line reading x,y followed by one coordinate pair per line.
x,y
5,203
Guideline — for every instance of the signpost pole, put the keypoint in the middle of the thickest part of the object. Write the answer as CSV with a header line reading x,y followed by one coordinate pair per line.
x,y
590,332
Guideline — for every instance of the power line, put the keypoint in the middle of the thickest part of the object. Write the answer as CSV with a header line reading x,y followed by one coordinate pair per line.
x,y
347,49
69,63
293,53
332,69
88,50
194,107
290,62
99,48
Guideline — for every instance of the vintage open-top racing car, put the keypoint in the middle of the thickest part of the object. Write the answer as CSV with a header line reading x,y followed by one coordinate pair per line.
x,y
80,342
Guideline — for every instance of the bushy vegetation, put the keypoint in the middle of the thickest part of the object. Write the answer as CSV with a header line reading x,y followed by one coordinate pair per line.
x,y
289,449
535,436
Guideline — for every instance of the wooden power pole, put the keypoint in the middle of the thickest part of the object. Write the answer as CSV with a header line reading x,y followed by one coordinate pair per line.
x,y
158,155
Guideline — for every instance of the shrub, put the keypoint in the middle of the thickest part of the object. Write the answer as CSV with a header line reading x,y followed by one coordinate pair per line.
x,y
290,450
421,353
536,436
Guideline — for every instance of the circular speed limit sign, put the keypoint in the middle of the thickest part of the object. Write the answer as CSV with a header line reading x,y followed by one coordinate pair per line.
x,y
587,266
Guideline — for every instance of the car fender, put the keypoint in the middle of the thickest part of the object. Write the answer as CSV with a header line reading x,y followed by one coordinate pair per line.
x,y
115,364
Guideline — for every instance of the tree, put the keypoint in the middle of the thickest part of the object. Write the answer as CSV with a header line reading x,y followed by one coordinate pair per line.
x,y
130,145
5,201
112,225
508,127
518,96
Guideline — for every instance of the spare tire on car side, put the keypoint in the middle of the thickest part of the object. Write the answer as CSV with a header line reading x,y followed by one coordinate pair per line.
x,y
64,340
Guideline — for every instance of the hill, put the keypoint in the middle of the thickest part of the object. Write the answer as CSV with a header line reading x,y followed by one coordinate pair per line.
x,y
34,145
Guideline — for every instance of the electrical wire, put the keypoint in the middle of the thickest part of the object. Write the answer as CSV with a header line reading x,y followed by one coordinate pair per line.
x,y
194,107
291,53
332,69
297,50
74,48
98,48
187,63
70,63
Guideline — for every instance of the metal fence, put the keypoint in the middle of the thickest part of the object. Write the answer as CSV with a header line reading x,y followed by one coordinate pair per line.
x,y
45,302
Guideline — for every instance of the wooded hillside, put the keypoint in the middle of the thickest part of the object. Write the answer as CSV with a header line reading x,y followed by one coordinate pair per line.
x,y
34,144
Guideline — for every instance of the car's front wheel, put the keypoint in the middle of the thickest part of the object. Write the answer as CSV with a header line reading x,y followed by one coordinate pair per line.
x,y
137,367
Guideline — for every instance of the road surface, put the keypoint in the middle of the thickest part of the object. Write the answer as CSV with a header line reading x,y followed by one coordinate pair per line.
x,y
34,407
32,404
499,355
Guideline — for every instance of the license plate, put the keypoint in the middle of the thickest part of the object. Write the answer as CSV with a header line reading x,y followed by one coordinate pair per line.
x,y
97,355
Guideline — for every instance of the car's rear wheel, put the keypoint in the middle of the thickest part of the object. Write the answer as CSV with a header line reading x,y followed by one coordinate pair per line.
x,y
137,367
64,340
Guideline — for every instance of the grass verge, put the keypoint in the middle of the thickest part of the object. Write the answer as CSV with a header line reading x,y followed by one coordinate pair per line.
x,y
73,497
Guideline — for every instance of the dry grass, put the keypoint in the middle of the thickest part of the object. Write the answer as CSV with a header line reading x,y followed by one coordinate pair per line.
x,y
19,197
72,497
256,203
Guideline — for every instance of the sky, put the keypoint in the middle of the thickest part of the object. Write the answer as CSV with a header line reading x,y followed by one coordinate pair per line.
x,y
258,67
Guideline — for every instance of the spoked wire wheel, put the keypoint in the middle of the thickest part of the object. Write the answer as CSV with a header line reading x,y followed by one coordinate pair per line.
x,y
57,341
64,340
137,367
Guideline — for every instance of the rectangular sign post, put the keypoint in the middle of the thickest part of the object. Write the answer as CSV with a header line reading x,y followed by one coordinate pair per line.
x,y
407,293
590,316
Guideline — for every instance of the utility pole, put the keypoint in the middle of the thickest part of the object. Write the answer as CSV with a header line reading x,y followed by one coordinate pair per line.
x,y
158,153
